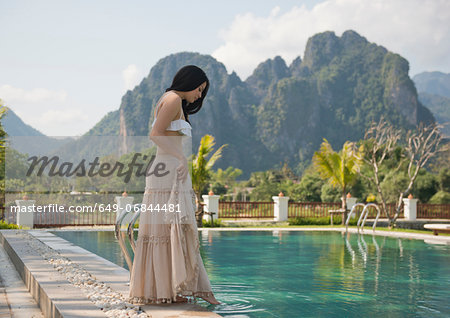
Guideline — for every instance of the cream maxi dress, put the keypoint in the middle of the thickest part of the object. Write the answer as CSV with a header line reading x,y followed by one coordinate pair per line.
x,y
167,259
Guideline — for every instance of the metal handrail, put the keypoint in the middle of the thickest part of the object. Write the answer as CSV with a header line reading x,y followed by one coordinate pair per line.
x,y
119,237
363,216
130,230
367,213
350,214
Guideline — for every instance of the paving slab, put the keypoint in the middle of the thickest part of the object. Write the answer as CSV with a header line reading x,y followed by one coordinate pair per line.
x,y
51,290
15,299
5,309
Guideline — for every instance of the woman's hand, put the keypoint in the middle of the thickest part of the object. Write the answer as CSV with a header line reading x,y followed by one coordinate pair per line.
x,y
182,170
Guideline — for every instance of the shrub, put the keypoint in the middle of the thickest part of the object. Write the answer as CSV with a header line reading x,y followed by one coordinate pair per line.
x,y
319,221
216,223
441,197
6,226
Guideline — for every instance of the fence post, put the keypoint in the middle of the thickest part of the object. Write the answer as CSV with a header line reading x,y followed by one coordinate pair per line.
x,y
280,208
25,212
211,206
351,201
410,208
122,203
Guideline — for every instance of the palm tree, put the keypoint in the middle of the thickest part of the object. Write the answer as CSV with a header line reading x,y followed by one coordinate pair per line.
x,y
201,169
339,168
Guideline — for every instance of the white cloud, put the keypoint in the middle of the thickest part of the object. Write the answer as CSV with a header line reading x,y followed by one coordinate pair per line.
x,y
61,117
131,76
416,29
50,111
12,95
53,122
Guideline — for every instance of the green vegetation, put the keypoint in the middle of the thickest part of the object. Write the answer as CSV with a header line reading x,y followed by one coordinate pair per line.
x,y
340,169
318,221
440,106
201,168
216,223
108,126
429,187
6,226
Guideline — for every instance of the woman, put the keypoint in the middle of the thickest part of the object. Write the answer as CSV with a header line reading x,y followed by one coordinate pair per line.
x,y
167,264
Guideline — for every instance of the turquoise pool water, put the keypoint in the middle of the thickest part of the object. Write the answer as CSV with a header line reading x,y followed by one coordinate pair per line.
x,y
312,274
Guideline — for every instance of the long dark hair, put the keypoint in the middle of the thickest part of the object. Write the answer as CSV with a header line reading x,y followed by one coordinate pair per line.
x,y
188,78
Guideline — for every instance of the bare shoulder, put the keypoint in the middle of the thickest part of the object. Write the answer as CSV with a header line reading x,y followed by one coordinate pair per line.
x,y
171,103
170,106
172,97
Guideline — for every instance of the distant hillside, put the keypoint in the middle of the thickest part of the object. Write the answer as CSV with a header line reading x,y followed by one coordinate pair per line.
x,y
436,83
434,92
107,126
14,126
281,113
440,107
27,139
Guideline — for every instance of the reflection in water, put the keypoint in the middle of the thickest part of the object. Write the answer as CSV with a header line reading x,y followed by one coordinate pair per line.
x,y
377,262
363,271
400,247
204,234
362,246
350,249
366,252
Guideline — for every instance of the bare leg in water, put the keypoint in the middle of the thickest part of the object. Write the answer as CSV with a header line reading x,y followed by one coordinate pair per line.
x,y
211,299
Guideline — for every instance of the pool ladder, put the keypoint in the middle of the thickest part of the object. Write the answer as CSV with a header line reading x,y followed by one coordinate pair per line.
x,y
363,216
130,234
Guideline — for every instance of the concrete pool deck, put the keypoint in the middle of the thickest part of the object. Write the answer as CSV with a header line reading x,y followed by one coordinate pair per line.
x,y
29,275
57,296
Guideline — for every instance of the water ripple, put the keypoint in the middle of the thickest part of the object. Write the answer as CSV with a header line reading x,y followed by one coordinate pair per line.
x,y
238,300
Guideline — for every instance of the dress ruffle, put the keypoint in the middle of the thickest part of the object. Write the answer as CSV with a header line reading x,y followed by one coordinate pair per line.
x,y
145,301
167,259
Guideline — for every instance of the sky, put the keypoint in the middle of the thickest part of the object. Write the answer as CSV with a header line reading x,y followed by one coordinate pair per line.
x,y
66,64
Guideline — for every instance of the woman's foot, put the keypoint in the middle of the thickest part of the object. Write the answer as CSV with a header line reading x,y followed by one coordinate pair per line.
x,y
181,299
210,299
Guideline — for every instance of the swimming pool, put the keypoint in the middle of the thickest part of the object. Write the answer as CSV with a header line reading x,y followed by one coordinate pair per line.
x,y
312,274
